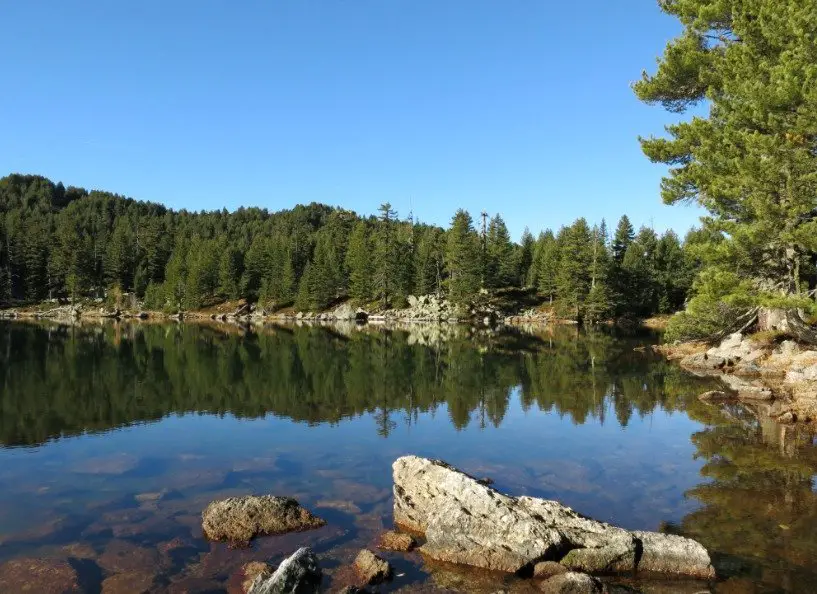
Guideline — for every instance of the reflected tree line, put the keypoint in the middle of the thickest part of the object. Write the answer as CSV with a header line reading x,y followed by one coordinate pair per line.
x,y
59,380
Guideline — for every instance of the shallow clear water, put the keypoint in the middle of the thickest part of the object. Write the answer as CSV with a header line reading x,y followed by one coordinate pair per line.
x,y
113,438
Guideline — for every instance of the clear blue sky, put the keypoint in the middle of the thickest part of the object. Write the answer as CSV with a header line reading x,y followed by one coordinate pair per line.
x,y
521,107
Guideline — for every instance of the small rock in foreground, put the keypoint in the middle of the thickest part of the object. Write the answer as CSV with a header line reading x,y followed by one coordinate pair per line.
x,y
298,574
371,568
396,541
240,519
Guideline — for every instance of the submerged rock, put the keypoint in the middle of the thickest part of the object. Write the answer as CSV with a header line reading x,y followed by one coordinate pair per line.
x,y
470,523
240,519
43,576
371,568
396,541
297,574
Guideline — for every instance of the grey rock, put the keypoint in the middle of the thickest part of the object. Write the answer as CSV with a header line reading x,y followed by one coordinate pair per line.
x,y
572,583
467,522
668,553
240,519
298,574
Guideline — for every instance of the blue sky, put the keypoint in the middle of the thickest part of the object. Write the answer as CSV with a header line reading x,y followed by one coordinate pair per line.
x,y
521,107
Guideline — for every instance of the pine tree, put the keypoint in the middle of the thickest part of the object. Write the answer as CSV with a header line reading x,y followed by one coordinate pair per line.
x,y
527,247
430,262
548,264
574,278
230,269
639,269
385,256
623,238
751,161
598,302
359,262
501,267
462,258
119,259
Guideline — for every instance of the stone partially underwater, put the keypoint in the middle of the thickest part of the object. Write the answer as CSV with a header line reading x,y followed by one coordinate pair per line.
x,y
467,522
240,519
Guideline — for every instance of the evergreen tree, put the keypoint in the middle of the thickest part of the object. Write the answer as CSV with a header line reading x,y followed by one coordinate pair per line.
x,y
623,238
430,262
119,258
501,267
527,247
548,264
230,269
462,258
385,256
574,276
751,161
359,262
598,301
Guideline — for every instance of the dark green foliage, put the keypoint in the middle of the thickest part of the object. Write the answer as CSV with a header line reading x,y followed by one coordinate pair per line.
x,y
462,258
501,266
750,160
65,242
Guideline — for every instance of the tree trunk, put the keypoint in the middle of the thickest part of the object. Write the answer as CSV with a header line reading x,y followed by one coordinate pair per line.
x,y
769,319
798,327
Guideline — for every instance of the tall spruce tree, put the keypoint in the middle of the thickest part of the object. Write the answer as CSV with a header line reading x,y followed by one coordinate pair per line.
x,y
386,255
527,247
750,161
574,277
360,263
548,263
462,258
501,266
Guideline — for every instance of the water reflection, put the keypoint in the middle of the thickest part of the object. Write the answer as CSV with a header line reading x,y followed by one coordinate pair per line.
x,y
107,457
64,380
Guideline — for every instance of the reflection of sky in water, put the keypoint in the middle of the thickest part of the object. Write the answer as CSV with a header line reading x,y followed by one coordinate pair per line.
x,y
634,476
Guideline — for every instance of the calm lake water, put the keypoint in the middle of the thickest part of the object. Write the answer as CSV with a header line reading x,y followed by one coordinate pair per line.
x,y
113,438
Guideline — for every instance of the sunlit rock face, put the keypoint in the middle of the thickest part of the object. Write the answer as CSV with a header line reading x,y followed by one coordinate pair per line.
x,y
465,521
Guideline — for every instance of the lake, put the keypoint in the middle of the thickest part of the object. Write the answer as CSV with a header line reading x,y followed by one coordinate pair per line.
x,y
114,437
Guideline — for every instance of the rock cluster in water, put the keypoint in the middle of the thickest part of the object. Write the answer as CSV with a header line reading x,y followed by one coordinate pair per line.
x,y
467,522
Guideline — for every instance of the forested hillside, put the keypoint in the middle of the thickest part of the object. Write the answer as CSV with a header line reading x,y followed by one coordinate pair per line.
x,y
58,242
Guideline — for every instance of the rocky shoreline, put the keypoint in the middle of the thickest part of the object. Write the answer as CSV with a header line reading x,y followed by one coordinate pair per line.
x,y
420,309
780,375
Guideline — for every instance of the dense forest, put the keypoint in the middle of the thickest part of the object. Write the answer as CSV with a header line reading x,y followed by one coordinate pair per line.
x,y
67,242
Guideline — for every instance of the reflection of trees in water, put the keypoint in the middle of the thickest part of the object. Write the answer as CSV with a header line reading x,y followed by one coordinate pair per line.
x,y
64,380
759,507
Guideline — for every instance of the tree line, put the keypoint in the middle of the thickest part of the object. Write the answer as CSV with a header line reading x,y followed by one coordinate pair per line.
x,y
58,242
